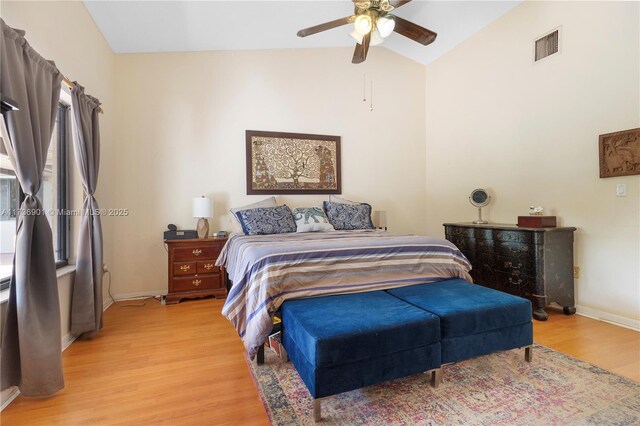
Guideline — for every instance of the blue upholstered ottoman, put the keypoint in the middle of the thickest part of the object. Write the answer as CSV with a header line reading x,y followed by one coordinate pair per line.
x,y
474,320
345,342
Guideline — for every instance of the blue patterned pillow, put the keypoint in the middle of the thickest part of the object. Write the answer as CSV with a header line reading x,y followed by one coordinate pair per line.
x,y
267,220
348,216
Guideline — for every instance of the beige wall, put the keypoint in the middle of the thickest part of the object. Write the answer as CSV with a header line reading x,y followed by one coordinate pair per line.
x,y
181,134
529,133
64,32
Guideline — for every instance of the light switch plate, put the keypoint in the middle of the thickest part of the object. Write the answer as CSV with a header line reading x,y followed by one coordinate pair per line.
x,y
621,190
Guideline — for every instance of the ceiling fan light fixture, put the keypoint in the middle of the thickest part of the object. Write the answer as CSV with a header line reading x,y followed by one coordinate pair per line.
x,y
363,24
356,36
385,25
376,38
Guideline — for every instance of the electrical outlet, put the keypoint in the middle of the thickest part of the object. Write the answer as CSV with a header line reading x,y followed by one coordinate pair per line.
x,y
576,272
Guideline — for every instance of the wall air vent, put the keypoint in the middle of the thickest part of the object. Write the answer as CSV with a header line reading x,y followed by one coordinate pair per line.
x,y
547,45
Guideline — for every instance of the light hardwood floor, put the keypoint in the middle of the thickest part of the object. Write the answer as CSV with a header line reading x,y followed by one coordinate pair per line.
x,y
184,365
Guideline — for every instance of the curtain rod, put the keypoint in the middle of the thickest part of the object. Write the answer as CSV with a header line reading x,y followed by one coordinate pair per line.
x,y
71,85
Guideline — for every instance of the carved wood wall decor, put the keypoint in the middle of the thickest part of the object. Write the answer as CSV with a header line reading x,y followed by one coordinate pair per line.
x,y
292,163
620,153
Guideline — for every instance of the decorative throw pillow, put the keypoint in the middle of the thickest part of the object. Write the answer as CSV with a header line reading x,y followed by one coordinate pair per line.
x,y
237,227
348,216
336,199
267,220
311,219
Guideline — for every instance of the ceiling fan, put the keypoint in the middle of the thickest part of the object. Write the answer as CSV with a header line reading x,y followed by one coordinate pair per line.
x,y
373,22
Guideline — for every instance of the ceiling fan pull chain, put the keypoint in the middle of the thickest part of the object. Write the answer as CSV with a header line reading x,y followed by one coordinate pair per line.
x,y
364,87
371,108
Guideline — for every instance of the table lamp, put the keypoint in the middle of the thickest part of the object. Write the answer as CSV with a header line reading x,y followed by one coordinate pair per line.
x,y
202,209
380,219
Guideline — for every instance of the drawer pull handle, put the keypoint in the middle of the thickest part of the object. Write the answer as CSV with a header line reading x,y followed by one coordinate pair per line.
x,y
208,266
197,282
185,268
510,265
516,283
197,252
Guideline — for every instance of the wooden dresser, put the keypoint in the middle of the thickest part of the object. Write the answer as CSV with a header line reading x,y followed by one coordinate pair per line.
x,y
193,271
536,263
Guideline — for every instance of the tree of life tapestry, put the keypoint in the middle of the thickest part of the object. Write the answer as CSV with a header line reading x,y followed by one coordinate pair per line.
x,y
292,163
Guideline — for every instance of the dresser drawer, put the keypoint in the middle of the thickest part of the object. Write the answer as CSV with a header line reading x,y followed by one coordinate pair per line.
x,y
483,234
208,267
485,246
515,236
196,283
515,283
453,231
514,250
464,244
194,253
511,265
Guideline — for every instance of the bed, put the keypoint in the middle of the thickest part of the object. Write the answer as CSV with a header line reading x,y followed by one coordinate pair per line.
x,y
266,270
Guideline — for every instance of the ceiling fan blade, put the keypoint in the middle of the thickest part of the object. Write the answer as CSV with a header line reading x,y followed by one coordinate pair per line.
x,y
397,3
414,32
360,54
325,26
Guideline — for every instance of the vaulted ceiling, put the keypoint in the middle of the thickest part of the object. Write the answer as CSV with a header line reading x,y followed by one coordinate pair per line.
x,y
177,26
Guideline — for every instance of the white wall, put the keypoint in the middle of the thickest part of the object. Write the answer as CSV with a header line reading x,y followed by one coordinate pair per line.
x,y
529,133
181,134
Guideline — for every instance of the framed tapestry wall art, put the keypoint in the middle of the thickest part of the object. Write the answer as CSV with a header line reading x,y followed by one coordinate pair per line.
x,y
620,153
292,163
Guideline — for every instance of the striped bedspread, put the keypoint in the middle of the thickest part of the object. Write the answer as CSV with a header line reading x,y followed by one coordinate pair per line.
x,y
266,270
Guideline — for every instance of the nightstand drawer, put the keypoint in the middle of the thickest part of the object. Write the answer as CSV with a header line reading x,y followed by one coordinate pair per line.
x,y
196,283
208,267
194,253
185,268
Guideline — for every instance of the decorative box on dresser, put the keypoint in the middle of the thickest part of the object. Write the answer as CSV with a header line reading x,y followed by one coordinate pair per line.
x,y
536,263
192,269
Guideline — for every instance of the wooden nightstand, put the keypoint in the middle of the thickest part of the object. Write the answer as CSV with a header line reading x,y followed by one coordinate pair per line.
x,y
192,269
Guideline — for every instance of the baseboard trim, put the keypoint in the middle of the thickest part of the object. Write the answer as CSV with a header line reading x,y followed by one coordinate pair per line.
x,y
139,295
614,319
8,395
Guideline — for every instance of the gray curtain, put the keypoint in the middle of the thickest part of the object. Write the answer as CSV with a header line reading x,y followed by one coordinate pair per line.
x,y
31,355
86,306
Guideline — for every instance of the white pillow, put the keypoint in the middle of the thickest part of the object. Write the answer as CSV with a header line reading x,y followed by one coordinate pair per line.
x,y
336,199
311,219
237,227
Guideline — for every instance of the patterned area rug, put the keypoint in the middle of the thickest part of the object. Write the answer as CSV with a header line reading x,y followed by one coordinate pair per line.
x,y
497,389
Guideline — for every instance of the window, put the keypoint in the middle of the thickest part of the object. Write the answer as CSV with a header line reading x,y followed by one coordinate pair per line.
x,y
52,194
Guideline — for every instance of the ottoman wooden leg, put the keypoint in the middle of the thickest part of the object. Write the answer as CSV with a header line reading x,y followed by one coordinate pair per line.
x,y
317,410
436,377
528,353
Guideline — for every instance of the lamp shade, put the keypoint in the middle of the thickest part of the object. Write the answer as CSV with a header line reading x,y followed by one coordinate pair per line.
x,y
202,207
363,24
385,25
375,38
379,219
356,36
